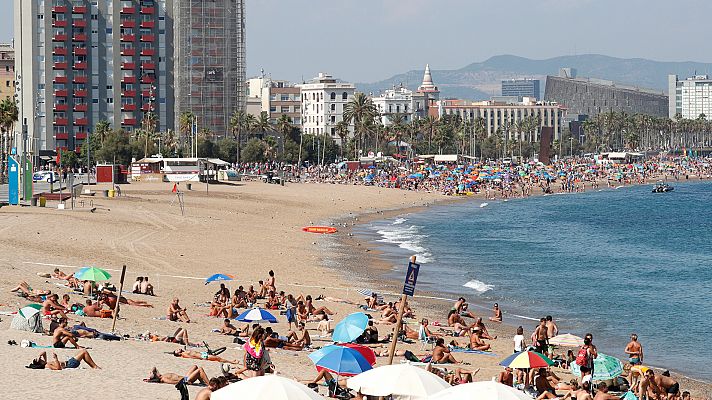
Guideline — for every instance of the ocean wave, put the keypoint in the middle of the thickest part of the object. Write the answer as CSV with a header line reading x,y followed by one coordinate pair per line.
x,y
407,238
477,286
399,221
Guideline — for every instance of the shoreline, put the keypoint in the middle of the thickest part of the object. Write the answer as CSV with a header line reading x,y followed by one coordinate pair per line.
x,y
431,303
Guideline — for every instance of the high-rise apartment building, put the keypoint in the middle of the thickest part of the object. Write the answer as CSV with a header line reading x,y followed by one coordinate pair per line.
x,y
210,61
7,71
690,98
80,62
521,88
323,102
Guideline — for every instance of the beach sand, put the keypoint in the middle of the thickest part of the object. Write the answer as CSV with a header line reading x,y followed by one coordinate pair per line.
x,y
244,229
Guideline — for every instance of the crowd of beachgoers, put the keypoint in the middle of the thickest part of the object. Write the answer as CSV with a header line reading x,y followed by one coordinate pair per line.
x,y
243,317
496,179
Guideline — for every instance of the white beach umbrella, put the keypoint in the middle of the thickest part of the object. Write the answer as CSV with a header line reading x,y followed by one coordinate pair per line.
x,y
403,381
268,387
486,390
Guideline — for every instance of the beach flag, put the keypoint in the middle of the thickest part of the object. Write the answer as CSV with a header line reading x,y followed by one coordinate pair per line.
x,y
175,188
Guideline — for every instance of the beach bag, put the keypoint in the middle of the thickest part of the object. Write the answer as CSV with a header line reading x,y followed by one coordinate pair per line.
x,y
582,357
252,363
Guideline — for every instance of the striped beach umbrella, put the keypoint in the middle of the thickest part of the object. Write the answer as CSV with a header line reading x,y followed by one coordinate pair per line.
x,y
605,367
526,359
93,274
30,310
566,340
219,277
256,315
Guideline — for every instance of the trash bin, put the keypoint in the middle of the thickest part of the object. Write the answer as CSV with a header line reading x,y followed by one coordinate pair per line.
x,y
43,201
105,192
112,193
189,186
33,201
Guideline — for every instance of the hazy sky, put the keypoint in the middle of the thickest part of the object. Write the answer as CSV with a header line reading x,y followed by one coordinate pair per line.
x,y
368,40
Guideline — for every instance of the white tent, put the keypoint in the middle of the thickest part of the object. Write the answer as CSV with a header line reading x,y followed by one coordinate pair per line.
x,y
268,387
402,381
486,390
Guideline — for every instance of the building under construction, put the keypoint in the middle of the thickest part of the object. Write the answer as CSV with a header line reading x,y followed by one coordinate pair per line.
x,y
210,61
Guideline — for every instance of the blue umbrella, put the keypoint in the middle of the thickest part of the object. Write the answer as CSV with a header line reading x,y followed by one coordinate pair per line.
x,y
350,328
340,360
219,277
256,315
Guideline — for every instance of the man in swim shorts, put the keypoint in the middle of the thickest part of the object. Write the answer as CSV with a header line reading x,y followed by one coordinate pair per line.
x,y
41,361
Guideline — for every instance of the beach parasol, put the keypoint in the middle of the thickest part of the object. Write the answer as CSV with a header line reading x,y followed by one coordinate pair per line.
x,y
350,327
343,361
366,352
30,310
486,390
605,367
566,340
526,359
93,274
256,315
268,387
219,277
401,380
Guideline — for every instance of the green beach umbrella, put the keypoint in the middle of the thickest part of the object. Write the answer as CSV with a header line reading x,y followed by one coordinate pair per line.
x,y
93,274
605,367
30,310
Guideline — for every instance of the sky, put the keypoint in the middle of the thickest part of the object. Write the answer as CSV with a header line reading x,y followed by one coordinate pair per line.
x,y
370,40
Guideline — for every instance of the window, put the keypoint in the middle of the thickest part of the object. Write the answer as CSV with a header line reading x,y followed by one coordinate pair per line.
x,y
109,100
344,96
333,96
109,31
284,97
333,107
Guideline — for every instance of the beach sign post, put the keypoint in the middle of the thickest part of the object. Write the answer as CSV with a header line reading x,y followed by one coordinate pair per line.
x,y
411,276
118,298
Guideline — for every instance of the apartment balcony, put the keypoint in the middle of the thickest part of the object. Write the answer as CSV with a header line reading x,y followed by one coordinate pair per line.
x,y
81,51
80,37
80,136
79,10
128,65
128,79
60,107
148,38
81,107
147,79
147,93
128,10
128,52
148,10
81,79
129,121
80,93
128,38
81,121
80,65
59,51
148,52
60,65
61,121
128,93
148,107
128,23
60,37
79,23
61,135
128,107
59,24
61,93
60,79
148,65
148,24
59,9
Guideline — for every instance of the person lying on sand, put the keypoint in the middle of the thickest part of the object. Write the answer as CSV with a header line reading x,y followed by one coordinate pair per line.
x,y
24,289
41,361
176,312
61,336
110,298
195,373
180,336
197,355
313,310
273,340
229,329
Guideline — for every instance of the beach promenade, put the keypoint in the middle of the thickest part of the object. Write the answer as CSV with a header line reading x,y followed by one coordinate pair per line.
x,y
245,229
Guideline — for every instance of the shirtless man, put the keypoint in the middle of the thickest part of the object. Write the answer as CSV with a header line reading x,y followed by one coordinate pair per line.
x,y
176,312
602,393
146,288
229,329
196,355
61,336
497,314
584,393
551,331
41,361
110,299
543,386
92,309
213,385
460,307
476,342
505,377
634,350
663,384
304,340
195,373
51,307
457,322
441,354
483,329
541,336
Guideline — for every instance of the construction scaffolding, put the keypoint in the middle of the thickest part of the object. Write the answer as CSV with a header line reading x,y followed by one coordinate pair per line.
x,y
210,61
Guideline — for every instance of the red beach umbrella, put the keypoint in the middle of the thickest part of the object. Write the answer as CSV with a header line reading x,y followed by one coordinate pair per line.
x,y
366,352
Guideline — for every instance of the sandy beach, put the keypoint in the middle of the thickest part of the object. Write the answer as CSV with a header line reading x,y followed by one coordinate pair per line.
x,y
244,229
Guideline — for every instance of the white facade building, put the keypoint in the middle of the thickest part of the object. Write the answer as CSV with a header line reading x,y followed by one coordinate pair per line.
x,y
323,102
691,97
395,101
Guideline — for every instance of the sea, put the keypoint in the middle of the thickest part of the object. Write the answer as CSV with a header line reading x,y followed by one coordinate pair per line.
x,y
610,262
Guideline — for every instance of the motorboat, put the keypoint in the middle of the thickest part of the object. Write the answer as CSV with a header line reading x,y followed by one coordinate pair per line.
x,y
662,188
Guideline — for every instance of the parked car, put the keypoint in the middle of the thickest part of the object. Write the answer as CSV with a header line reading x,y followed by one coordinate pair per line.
x,y
45,176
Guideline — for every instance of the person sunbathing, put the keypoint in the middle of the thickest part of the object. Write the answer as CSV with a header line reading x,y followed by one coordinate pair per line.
x,y
441,354
476,342
197,355
497,314
110,299
25,289
461,376
483,329
273,340
313,310
176,312
327,377
61,336
93,309
41,362
146,288
50,307
195,373
457,323
229,329
304,340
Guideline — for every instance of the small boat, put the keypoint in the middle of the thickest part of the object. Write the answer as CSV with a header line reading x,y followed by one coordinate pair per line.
x,y
662,188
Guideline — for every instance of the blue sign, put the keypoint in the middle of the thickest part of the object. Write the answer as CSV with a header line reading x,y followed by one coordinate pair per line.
x,y
13,172
410,278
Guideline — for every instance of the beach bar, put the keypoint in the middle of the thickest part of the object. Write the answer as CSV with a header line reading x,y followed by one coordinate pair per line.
x,y
177,169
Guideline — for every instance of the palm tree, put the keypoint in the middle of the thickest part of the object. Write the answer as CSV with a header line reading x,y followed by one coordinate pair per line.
x,y
101,130
361,112
342,130
429,125
479,131
237,124
185,127
263,125
249,125
8,116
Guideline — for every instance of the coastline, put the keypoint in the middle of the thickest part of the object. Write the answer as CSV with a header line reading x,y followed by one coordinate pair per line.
x,y
433,304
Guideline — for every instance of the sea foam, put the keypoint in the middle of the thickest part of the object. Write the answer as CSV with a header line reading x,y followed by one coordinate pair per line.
x,y
477,286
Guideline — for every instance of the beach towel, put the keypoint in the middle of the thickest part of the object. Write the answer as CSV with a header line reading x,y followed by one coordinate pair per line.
x,y
470,351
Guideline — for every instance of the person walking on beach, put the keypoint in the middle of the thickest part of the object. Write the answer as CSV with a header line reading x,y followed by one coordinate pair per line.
x,y
519,343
